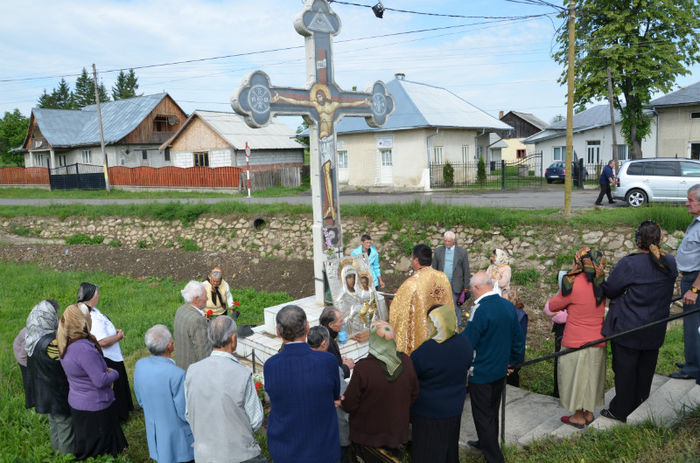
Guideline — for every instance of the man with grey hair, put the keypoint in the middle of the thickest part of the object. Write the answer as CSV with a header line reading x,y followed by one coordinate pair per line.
x,y
303,385
190,326
494,332
159,386
223,407
688,261
333,320
453,261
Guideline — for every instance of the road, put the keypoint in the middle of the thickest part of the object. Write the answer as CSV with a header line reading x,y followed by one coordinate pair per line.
x,y
550,197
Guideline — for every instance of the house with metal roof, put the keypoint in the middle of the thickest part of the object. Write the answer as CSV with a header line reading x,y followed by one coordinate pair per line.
x,y
133,129
218,139
524,125
592,138
678,122
429,127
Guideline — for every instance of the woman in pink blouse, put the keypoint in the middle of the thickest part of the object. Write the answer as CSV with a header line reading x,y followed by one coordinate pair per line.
x,y
582,373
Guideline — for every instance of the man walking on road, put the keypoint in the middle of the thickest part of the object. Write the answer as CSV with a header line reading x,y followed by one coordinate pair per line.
x,y
606,179
688,261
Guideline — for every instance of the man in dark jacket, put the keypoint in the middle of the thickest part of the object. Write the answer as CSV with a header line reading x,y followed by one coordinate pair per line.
x,y
332,319
453,261
605,180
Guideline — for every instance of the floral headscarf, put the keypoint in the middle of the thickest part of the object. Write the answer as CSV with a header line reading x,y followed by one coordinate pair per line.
x,y
502,257
42,320
442,321
382,345
592,263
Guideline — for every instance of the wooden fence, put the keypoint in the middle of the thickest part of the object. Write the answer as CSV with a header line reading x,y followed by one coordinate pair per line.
x,y
263,179
212,177
22,176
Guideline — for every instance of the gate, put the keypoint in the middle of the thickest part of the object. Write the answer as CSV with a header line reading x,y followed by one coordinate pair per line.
x,y
77,177
521,173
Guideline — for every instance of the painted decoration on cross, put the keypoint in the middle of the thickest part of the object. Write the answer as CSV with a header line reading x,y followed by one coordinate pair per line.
x,y
322,104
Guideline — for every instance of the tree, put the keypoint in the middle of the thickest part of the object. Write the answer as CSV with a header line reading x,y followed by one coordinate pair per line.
x,y
85,90
126,85
448,174
481,172
557,118
13,130
646,44
60,97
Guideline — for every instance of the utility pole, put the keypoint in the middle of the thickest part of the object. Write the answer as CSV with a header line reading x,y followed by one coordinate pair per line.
x,y
99,122
570,111
612,120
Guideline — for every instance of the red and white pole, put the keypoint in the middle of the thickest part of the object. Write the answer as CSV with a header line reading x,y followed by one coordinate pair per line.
x,y
247,165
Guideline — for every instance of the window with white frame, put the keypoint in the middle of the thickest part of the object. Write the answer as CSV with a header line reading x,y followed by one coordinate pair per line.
x,y
465,154
386,158
559,153
343,159
437,154
479,151
87,157
61,160
621,152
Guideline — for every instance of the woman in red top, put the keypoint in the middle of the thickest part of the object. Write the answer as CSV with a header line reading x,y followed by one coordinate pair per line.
x,y
582,373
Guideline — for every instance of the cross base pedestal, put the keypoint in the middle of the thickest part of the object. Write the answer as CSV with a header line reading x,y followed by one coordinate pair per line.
x,y
265,342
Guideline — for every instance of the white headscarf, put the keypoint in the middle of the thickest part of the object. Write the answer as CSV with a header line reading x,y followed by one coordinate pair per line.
x,y
42,320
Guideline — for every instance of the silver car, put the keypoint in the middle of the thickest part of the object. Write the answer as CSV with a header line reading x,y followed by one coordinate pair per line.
x,y
641,181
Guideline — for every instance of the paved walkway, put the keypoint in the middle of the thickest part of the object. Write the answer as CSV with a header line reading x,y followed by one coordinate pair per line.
x,y
551,197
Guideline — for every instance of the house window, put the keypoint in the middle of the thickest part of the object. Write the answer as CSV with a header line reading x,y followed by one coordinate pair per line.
x,y
621,152
87,157
144,154
437,155
479,151
559,153
465,154
161,123
520,154
342,159
62,160
386,158
695,115
593,151
166,154
201,159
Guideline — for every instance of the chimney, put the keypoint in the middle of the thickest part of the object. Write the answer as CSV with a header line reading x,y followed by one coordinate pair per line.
x,y
400,76
500,114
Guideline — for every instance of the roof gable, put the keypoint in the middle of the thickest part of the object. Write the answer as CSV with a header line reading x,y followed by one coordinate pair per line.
x,y
419,105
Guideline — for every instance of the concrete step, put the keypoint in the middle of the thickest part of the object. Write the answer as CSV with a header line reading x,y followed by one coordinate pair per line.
x,y
664,405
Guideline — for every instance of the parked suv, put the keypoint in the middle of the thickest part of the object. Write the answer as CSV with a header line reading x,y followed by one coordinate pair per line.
x,y
640,181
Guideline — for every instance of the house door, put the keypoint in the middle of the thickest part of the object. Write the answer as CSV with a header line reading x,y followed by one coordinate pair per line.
x,y
386,167
695,151
593,151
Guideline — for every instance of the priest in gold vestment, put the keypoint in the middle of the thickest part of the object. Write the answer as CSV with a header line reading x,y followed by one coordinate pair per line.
x,y
422,290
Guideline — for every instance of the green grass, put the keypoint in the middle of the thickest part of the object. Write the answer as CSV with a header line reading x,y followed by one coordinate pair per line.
x,y
133,305
82,238
671,218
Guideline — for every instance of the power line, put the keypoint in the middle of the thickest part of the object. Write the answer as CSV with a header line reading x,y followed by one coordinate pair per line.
x,y
426,13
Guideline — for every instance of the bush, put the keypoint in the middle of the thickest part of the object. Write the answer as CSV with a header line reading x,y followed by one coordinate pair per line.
x,y
23,231
189,245
448,174
481,172
82,238
526,277
114,244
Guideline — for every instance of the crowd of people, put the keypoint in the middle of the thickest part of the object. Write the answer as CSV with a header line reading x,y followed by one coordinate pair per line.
x,y
411,386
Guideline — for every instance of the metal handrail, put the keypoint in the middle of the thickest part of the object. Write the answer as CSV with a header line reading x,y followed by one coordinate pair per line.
x,y
570,350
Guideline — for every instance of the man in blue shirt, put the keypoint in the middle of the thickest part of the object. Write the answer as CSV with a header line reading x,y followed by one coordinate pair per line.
x,y
606,179
370,251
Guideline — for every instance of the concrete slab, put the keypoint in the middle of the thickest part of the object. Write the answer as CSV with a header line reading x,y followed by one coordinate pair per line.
x,y
311,307
663,406
551,421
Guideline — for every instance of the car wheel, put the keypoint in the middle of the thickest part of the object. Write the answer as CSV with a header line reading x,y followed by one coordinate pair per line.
x,y
549,180
636,198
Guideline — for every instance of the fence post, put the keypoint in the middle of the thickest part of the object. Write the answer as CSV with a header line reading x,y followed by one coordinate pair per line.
x,y
580,173
503,174
77,176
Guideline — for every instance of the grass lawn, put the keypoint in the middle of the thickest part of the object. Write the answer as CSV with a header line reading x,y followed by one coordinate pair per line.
x,y
136,305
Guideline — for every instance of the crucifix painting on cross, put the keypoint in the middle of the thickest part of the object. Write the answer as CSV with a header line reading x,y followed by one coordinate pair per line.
x,y
322,104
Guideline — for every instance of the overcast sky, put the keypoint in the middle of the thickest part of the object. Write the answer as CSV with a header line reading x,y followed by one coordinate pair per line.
x,y
503,65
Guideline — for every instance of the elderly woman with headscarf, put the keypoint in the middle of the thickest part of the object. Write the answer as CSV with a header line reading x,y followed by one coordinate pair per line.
x,y
640,288
499,270
49,384
379,397
91,399
582,373
442,364
108,336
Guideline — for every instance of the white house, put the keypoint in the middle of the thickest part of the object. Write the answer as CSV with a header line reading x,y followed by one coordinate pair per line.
x,y
678,115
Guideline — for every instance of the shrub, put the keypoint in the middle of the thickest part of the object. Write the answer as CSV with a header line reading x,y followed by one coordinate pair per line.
x,y
526,277
481,172
448,174
114,244
82,238
142,244
189,245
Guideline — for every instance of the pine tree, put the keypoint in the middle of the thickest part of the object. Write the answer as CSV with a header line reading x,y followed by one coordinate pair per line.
x,y
85,90
481,172
62,96
46,100
126,85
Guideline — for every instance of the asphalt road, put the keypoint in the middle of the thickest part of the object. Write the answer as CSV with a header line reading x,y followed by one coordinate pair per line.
x,y
552,196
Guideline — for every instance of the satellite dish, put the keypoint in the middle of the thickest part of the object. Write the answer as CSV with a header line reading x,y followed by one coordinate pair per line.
x,y
172,120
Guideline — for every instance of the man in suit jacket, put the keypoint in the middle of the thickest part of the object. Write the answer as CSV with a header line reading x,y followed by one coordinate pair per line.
x,y
494,332
457,272
159,385
303,385
190,326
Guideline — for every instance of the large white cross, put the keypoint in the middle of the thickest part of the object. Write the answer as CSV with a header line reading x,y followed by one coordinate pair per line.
x,y
322,104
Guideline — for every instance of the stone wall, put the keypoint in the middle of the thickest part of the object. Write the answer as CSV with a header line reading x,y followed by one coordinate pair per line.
x,y
537,247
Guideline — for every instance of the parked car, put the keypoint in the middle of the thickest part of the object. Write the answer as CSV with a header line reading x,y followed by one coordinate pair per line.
x,y
556,171
641,181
